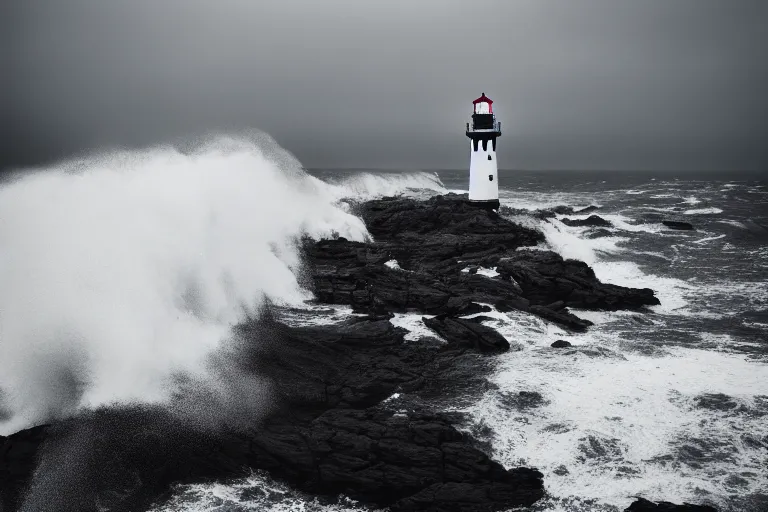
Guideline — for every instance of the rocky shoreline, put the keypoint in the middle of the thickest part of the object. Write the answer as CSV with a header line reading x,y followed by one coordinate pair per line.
x,y
330,427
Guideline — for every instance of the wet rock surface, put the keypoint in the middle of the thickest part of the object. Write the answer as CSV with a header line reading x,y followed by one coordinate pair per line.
x,y
433,241
408,462
674,224
643,505
592,220
329,426
17,462
468,333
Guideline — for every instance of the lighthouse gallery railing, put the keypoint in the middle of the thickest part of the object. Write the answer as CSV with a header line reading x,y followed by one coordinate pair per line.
x,y
495,128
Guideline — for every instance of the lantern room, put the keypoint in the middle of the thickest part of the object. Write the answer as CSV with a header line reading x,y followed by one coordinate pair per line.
x,y
483,105
483,118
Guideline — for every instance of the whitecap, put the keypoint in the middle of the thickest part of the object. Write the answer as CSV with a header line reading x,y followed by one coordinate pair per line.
x,y
603,414
367,185
703,211
414,324
258,492
733,223
393,264
488,272
708,239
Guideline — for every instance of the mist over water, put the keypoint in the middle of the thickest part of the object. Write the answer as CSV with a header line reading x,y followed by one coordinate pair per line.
x,y
122,272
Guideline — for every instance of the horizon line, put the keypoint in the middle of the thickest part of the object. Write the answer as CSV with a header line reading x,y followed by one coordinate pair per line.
x,y
417,169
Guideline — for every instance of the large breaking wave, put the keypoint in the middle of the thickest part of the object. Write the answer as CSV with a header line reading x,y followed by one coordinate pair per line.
x,y
123,271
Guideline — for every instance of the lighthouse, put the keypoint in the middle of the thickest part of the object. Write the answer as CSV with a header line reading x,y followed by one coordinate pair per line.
x,y
483,169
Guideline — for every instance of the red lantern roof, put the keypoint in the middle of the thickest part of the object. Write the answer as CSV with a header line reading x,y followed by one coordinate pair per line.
x,y
483,99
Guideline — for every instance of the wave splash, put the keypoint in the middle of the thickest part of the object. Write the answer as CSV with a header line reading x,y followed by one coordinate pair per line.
x,y
121,272
367,185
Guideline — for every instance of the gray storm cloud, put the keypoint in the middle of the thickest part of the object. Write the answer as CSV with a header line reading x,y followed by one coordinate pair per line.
x,y
614,84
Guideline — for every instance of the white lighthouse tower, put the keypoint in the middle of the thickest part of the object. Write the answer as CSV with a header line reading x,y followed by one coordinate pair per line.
x,y
483,170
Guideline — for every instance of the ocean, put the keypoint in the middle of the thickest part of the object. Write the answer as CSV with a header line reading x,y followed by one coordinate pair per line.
x,y
670,404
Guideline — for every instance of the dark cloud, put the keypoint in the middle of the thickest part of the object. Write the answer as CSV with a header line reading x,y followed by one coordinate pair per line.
x,y
623,84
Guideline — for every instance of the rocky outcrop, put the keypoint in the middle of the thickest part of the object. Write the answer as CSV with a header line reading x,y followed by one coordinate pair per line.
x,y
560,344
674,224
432,242
468,333
399,218
592,220
643,505
546,278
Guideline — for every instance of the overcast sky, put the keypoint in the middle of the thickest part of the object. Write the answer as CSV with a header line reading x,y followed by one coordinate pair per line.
x,y
577,84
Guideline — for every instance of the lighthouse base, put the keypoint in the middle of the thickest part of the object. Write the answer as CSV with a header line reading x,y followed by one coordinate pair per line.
x,y
491,204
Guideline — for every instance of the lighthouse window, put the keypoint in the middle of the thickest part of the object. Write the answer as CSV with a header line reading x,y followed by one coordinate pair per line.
x,y
489,157
490,177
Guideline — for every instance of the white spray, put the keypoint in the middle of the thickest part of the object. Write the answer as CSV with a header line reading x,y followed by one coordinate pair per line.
x,y
121,271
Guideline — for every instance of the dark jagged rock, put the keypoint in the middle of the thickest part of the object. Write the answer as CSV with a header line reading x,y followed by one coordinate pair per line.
x,y
513,303
592,220
376,288
393,217
412,462
482,288
370,453
674,224
545,277
560,344
355,363
466,333
562,317
643,505
433,241
440,231
18,458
